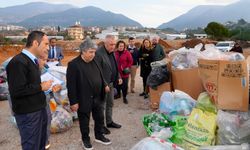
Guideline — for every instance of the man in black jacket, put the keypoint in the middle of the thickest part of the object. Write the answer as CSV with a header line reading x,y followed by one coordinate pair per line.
x,y
158,52
27,92
111,75
86,92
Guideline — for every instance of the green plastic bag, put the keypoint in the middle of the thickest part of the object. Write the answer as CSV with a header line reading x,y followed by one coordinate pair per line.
x,y
204,103
155,122
178,129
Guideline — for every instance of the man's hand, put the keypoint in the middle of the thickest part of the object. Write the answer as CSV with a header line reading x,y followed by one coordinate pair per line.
x,y
74,107
56,88
107,89
46,85
120,81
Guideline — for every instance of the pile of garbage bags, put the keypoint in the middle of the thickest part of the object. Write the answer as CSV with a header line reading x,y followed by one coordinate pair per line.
x,y
159,74
184,58
185,123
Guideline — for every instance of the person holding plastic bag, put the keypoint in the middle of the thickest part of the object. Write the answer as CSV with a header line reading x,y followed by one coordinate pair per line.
x,y
86,92
145,55
124,62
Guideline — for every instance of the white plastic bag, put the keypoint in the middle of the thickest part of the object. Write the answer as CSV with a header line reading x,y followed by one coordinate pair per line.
x,y
151,143
234,127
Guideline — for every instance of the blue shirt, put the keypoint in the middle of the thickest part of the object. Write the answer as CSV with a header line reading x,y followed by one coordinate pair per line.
x,y
29,54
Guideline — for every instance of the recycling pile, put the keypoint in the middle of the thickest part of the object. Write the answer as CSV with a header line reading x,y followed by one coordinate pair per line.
x,y
219,119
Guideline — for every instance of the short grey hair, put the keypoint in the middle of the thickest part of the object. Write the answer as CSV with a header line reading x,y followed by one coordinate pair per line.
x,y
108,37
87,44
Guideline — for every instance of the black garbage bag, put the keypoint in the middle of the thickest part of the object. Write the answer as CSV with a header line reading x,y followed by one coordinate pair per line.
x,y
158,76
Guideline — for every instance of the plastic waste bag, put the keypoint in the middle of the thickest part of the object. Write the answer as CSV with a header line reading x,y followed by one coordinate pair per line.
x,y
158,76
4,91
155,122
200,129
176,103
61,120
184,58
227,147
178,129
234,127
164,134
152,143
204,103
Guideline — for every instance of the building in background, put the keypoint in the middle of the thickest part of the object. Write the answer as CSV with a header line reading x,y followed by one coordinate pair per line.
x,y
76,31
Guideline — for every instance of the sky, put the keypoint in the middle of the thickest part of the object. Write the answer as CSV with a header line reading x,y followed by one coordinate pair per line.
x,y
150,13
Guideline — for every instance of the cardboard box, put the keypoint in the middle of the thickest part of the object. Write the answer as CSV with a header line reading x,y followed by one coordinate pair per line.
x,y
155,95
227,82
188,81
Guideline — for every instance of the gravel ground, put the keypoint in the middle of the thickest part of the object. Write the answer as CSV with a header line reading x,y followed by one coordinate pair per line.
x,y
129,116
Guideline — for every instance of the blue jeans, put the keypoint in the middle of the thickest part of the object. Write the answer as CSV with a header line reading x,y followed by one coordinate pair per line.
x,y
33,129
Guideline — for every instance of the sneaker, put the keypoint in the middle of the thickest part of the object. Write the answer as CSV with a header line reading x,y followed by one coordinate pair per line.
x,y
106,130
113,125
103,140
125,101
47,145
87,145
146,96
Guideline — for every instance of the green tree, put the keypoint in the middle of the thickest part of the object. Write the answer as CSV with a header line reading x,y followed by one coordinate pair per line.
x,y
217,31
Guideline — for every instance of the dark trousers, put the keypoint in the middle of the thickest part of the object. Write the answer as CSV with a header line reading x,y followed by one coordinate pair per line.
x,y
123,87
33,129
145,87
98,116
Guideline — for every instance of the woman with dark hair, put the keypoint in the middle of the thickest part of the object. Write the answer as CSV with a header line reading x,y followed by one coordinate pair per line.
x,y
124,61
145,55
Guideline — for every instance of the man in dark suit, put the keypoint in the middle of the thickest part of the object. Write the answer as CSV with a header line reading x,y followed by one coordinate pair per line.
x,y
55,52
111,75
86,92
27,92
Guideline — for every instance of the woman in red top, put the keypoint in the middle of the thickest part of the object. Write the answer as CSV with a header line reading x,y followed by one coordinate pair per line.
x,y
124,61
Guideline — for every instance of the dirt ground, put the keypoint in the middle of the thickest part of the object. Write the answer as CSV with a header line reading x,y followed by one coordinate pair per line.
x,y
129,116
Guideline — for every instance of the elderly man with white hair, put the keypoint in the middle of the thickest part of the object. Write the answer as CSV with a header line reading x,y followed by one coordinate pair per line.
x,y
158,52
86,91
111,75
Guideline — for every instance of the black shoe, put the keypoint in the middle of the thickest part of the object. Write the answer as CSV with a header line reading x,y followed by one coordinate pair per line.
x,y
87,145
117,97
114,125
125,101
142,94
103,140
146,96
106,130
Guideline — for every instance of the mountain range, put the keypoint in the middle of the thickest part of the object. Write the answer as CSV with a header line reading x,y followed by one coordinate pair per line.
x,y
200,16
40,14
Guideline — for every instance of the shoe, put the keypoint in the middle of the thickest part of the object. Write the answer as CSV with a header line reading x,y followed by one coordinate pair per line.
x,y
146,96
47,145
103,140
106,130
114,125
117,97
125,101
142,94
87,145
